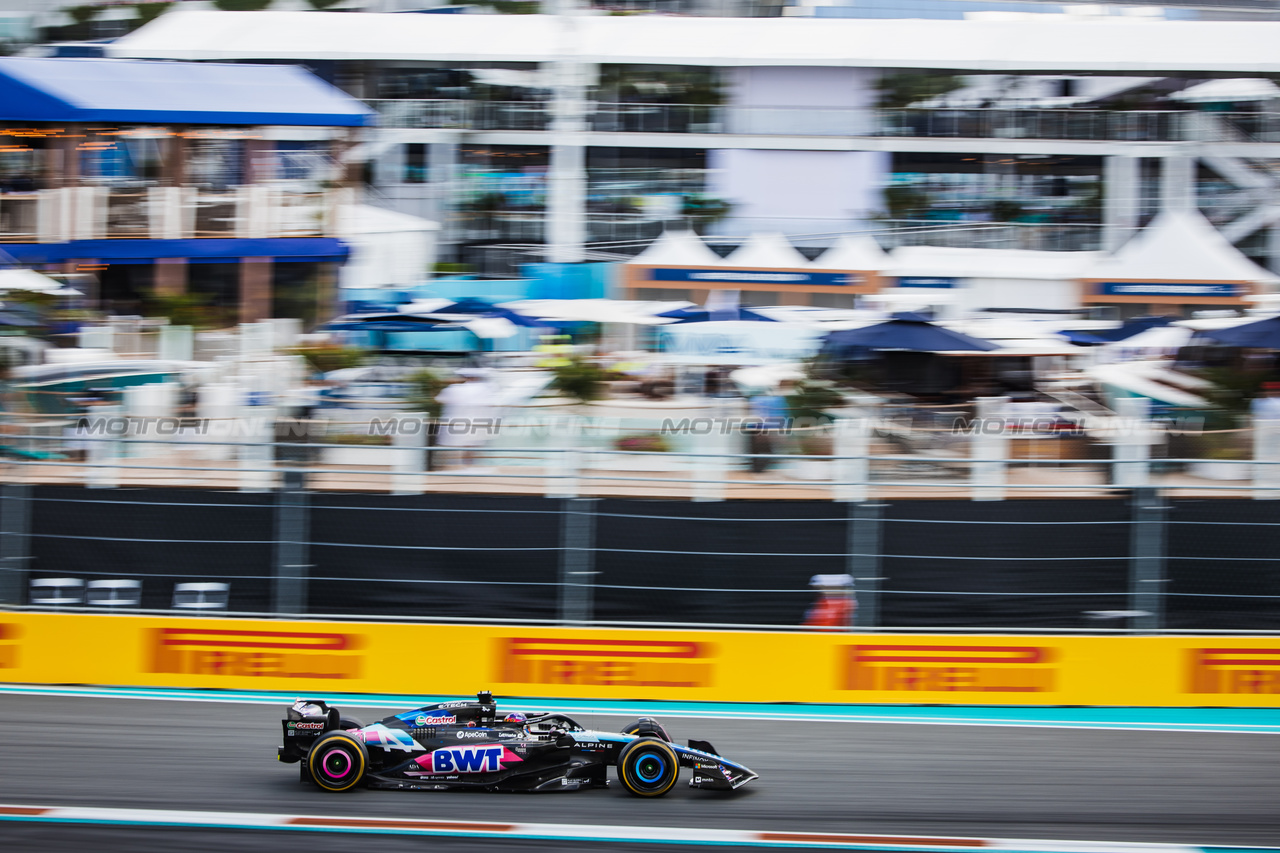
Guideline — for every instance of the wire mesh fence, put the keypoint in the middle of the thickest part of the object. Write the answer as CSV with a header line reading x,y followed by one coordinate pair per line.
x,y
1140,561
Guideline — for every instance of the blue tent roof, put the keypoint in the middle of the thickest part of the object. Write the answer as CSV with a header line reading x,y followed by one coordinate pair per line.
x,y
139,91
1264,334
906,331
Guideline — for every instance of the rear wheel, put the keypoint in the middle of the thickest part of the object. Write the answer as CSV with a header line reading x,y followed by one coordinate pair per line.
x,y
337,761
648,767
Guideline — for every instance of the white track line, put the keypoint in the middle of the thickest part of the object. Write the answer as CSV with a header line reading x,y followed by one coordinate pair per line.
x,y
568,832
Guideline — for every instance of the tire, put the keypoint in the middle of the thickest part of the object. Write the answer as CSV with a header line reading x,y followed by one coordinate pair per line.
x,y
647,727
648,767
348,723
337,761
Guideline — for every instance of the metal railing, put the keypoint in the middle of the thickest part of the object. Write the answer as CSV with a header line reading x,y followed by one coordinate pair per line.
x,y
992,123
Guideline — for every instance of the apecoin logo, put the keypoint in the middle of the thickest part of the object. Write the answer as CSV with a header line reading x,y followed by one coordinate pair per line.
x,y
949,669
606,662
1234,671
256,654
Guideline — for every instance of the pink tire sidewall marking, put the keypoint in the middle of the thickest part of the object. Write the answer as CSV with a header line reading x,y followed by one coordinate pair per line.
x,y
324,763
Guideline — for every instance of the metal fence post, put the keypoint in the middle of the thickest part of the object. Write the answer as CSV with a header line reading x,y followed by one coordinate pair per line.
x,y
863,560
15,541
1147,561
293,532
577,559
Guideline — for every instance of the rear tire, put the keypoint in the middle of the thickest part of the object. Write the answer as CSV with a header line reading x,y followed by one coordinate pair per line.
x,y
648,767
347,723
337,761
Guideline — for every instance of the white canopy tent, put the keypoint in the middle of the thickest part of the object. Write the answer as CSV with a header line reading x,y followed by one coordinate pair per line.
x,y
677,248
34,282
766,251
854,253
1179,247
388,249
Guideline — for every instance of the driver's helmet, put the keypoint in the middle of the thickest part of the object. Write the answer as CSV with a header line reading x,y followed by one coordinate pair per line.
x,y
515,717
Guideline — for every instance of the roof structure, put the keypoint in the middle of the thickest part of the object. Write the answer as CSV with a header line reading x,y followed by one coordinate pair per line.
x,y
990,263
766,251
130,91
854,253
1114,45
677,248
1179,247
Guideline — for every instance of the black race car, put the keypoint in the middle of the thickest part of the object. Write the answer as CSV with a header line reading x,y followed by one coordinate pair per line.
x,y
468,745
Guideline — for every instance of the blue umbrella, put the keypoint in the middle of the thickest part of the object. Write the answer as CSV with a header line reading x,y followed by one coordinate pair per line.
x,y
704,315
386,322
1133,326
479,308
906,331
1264,334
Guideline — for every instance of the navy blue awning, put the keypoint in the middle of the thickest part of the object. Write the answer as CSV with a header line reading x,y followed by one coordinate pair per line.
x,y
129,91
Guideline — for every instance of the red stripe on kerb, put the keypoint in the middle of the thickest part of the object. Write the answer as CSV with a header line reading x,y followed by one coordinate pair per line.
x,y
442,825
26,811
605,648
870,839
995,654
228,639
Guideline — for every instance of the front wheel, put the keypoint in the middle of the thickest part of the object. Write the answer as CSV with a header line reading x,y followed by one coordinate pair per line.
x,y
337,761
648,767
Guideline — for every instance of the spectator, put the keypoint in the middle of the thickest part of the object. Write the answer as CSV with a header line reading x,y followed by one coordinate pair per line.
x,y
469,414
836,604
769,411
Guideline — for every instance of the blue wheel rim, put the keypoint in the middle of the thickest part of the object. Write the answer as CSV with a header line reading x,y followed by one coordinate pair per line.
x,y
650,768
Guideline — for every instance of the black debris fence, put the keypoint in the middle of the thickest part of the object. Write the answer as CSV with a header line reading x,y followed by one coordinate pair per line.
x,y
1134,561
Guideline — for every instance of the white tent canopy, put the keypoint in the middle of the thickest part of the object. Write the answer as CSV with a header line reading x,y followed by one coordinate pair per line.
x,y
1179,246
1113,45
677,248
928,261
854,253
388,249
1237,89
766,251
25,279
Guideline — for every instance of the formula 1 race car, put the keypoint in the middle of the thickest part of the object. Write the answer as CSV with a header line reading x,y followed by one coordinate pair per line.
x,y
468,745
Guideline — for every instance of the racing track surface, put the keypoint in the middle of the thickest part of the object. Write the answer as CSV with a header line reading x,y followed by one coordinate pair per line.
x,y
1173,787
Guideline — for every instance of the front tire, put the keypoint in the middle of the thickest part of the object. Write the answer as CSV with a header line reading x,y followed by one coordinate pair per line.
x,y
337,761
648,767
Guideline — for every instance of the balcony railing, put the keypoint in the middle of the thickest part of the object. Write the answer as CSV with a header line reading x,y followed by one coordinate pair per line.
x,y
1084,125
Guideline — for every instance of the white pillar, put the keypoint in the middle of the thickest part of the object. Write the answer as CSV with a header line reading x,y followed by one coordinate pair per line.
x,y
410,454
565,460
1266,448
1177,183
853,468
566,229
102,451
1131,465
1120,199
989,450
256,432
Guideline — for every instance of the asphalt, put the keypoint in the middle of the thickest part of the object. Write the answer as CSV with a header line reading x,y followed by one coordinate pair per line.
x,y
1078,784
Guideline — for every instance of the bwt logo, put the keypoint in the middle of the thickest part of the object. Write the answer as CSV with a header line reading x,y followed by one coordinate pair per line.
x,y
487,758
269,654
9,633
947,669
1234,671
606,663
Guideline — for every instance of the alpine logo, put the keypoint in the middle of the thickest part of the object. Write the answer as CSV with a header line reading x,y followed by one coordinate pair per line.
x,y
479,758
